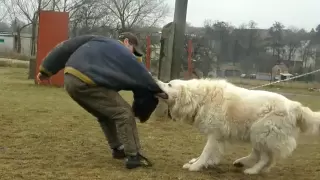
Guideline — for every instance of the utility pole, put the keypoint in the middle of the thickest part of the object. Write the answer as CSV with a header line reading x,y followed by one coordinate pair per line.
x,y
172,46
180,16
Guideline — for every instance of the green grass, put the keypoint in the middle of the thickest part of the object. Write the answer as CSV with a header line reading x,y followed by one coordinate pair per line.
x,y
13,63
45,135
14,55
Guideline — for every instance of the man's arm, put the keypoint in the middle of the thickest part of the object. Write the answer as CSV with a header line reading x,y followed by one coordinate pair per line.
x,y
144,90
130,74
144,103
59,55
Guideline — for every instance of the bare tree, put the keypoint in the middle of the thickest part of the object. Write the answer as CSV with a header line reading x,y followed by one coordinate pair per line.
x,y
111,16
90,18
85,16
71,6
276,39
252,37
131,13
220,34
292,41
316,35
26,11
3,12
3,18
16,24
306,51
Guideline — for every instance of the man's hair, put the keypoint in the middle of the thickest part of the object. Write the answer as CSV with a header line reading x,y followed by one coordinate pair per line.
x,y
133,40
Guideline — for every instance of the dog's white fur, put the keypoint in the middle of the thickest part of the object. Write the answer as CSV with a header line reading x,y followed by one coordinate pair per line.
x,y
225,112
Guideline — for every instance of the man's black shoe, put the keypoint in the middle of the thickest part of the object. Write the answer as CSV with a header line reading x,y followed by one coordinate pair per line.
x,y
137,161
118,153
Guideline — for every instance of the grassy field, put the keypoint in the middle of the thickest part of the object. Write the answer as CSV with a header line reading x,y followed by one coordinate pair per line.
x,y
45,135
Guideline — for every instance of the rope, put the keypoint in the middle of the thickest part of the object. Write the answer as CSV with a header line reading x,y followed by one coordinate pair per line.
x,y
294,77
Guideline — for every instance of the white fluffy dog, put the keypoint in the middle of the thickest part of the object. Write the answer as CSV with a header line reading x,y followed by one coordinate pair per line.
x,y
225,112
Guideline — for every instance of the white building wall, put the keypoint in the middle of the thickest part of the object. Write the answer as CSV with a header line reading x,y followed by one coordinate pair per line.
x,y
26,46
7,45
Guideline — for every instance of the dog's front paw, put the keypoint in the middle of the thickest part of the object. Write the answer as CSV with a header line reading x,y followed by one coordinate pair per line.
x,y
238,164
251,171
195,167
192,167
193,160
186,166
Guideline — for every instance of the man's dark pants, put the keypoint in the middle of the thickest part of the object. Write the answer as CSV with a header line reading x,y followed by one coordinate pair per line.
x,y
113,113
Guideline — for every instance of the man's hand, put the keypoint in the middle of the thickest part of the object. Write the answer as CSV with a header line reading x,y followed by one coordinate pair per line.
x,y
41,77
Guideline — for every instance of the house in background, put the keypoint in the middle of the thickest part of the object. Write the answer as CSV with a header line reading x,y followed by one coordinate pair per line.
x,y
280,72
8,42
229,70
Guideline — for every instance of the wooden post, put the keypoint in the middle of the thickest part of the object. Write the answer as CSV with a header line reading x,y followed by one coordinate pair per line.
x,y
165,61
32,68
148,54
180,15
166,52
172,43
190,58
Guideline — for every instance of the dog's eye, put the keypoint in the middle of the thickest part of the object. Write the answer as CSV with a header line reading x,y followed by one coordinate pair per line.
x,y
169,85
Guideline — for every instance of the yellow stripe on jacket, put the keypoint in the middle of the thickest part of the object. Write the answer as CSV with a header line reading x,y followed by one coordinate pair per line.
x,y
139,59
78,74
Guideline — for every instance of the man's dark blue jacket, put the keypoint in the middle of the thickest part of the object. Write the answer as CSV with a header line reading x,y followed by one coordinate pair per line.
x,y
101,61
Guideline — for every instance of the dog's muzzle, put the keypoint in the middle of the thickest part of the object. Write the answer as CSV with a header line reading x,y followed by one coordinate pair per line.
x,y
163,95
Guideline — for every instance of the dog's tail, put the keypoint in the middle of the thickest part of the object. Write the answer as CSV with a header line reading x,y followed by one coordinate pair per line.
x,y
307,120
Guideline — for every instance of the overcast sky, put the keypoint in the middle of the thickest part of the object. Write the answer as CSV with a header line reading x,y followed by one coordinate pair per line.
x,y
298,13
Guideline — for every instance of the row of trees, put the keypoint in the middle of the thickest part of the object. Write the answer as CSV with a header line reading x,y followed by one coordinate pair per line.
x,y
106,17
215,43
219,42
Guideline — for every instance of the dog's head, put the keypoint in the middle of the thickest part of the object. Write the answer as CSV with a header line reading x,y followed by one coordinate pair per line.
x,y
179,98
171,90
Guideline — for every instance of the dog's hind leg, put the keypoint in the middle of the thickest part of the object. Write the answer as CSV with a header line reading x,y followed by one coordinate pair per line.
x,y
210,155
270,164
265,162
273,139
249,160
